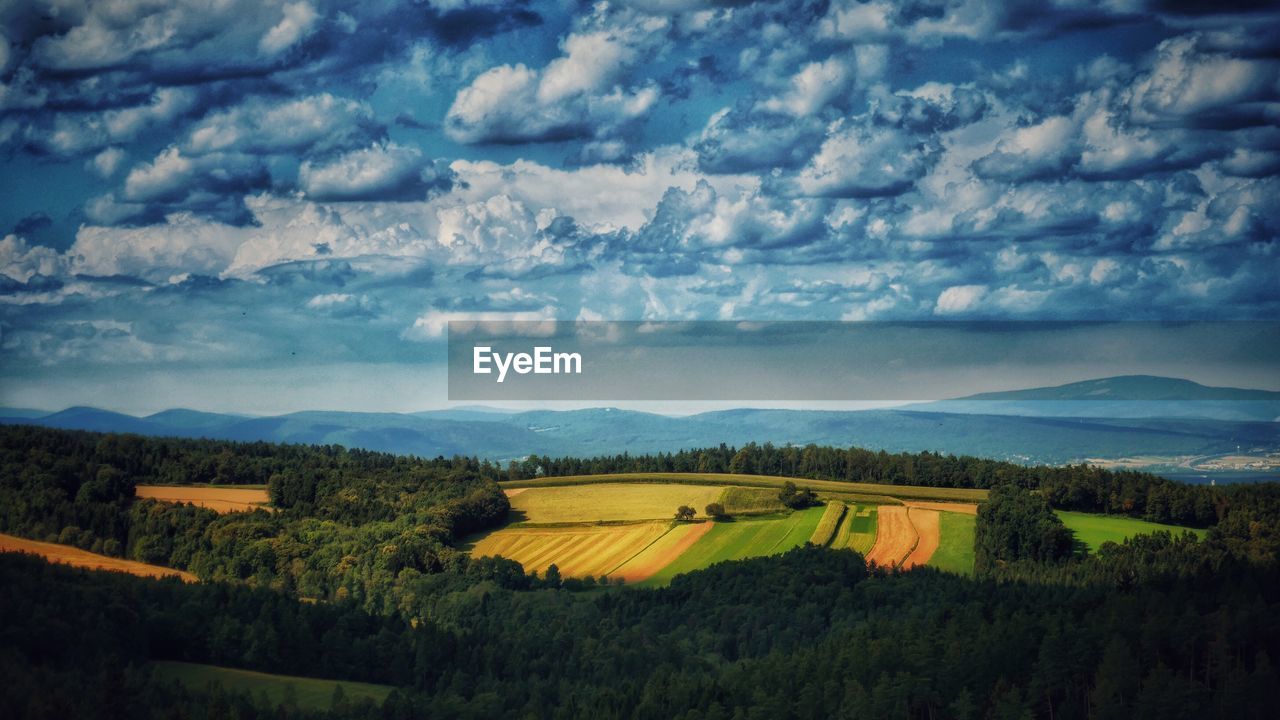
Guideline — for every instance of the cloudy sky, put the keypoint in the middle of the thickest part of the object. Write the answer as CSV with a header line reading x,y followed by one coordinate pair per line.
x,y
269,206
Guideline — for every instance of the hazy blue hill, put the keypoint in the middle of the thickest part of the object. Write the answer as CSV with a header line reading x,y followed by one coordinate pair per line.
x,y
1132,396
1131,387
475,413
21,413
1049,437
193,419
87,418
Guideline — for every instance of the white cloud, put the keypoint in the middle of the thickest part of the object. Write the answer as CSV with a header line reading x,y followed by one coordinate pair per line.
x,y
299,21
381,171
185,243
857,160
21,262
263,125
106,162
959,298
1185,82
582,94
812,88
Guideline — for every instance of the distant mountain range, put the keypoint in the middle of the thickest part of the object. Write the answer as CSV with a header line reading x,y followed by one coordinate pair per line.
x,y
1129,396
1043,425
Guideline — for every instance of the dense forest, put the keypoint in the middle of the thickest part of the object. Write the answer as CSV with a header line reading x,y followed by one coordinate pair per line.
x,y
350,523
1162,626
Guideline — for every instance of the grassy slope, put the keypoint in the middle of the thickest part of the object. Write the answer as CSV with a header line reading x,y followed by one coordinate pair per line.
x,y
310,693
1093,530
910,492
743,539
955,549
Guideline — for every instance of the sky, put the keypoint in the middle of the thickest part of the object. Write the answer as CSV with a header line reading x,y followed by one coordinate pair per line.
x,y
267,206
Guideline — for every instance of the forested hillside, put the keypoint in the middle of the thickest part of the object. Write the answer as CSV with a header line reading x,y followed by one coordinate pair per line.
x,y
1159,627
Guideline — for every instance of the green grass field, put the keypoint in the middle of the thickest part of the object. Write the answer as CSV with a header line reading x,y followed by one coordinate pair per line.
x,y
955,544
750,500
308,693
743,539
908,492
858,530
1093,530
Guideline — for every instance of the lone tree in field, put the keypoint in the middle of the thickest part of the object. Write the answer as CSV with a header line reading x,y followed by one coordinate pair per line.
x,y
795,498
716,511
684,513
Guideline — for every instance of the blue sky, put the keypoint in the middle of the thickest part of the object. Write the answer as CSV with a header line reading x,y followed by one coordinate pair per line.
x,y
268,206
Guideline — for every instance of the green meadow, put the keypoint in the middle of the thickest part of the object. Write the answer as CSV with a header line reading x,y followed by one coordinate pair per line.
x,y
1093,530
305,693
740,539
955,544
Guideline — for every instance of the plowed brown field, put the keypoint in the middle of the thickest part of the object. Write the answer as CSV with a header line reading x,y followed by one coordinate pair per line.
x,y
895,537
220,499
928,525
68,555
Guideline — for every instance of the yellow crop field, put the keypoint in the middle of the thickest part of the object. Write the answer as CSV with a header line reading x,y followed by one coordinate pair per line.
x,y
576,551
219,499
828,524
608,502
76,557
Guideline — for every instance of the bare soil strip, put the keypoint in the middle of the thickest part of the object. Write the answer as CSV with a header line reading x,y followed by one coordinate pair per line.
x,y
68,555
895,537
512,492
928,526
966,508
220,500
662,552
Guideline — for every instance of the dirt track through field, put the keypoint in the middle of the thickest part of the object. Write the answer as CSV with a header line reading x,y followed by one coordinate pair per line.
x,y
928,526
514,491
76,557
662,552
895,537
966,508
221,500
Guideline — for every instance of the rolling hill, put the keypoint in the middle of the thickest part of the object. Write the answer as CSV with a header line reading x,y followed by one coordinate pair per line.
x,y
1044,425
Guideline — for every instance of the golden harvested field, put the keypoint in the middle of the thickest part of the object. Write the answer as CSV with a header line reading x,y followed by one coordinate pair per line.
x,y
928,526
895,537
576,551
662,552
83,558
914,492
963,508
219,499
609,502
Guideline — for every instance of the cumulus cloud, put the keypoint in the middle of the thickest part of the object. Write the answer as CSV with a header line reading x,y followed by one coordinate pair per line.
x,y
299,20
106,162
265,125
584,93
385,171
959,299
858,160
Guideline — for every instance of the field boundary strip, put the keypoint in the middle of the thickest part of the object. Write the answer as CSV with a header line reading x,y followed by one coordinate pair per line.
x,y
894,492
823,535
636,554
